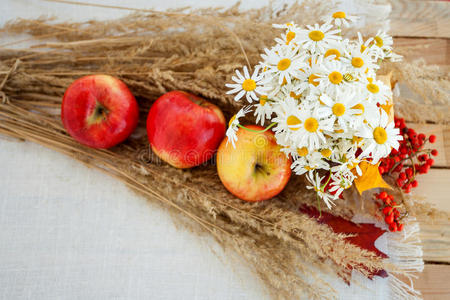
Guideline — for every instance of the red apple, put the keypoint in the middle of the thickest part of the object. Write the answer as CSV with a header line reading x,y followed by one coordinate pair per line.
x,y
99,111
256,169
184,130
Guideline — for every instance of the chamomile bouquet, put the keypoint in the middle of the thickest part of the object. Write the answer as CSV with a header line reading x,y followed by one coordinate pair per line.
x,y
320,95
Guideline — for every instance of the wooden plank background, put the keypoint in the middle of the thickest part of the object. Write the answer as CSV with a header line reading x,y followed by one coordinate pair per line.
x,y
424,26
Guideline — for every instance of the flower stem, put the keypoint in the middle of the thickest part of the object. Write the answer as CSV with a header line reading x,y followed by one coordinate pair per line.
x,y
318,205
258,131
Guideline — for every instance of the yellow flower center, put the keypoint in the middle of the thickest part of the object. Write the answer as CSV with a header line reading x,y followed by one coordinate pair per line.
x,y
231,120
311,79
357,62
363,47
249,85
378,41
262,100
339,15
284,64
326,152
359,106
289,37
334,52
338,109
373,88
292,121
311,125
380,135
316,35
302,151
335,77
339,131
308,168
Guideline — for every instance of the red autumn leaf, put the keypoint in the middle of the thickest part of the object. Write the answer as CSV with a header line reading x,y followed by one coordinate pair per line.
x,y
365,234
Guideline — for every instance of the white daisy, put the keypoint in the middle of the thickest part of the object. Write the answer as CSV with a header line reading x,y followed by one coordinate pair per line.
x,y
233,125
340,18
263,110
332,76
337,50
310,74
340,181
307,162
347,159
376,91
287,116
362,62
363,45
310,130
246,85
380,137
316,181
288,37
315,38
383,42
369,111
340,108
283,63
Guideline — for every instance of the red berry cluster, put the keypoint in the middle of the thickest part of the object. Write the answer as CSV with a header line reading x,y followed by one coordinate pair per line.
x,y
410,158
392,215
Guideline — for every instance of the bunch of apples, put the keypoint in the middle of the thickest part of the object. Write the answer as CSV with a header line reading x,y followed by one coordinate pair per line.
x,y
184,130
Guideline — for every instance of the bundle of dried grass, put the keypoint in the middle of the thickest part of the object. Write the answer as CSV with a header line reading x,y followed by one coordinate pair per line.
x,y
154,53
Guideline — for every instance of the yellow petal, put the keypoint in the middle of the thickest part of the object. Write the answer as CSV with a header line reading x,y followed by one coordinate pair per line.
x,y
370,178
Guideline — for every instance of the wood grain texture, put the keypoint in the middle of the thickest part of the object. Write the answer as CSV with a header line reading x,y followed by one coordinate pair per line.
x,y
435,239
435,188
412,18
433,51
434,282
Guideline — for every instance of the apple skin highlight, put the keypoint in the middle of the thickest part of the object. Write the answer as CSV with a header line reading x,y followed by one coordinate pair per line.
x,y
256,169
184,130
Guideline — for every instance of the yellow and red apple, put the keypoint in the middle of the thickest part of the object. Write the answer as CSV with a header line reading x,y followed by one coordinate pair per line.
x,y
184,130
256,169
99,111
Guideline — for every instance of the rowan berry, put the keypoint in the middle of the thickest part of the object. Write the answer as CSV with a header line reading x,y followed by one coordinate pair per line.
x,y
389,219
409,172
387,210
393,227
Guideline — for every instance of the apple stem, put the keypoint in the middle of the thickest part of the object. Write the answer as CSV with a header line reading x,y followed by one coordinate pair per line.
x,y
258,131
